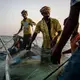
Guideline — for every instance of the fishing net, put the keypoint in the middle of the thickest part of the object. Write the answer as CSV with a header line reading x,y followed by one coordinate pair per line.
x,y
30,68
2,64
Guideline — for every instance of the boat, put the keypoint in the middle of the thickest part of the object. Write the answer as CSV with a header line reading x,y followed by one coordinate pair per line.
x,y
19,67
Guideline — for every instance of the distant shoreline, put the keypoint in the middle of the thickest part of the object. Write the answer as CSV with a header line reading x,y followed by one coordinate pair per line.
x,y
5,35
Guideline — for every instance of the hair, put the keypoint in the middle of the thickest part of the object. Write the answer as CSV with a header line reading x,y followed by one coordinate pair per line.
x,y
23,11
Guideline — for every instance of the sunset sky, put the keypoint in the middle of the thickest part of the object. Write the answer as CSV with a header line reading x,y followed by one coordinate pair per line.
x,y
10,12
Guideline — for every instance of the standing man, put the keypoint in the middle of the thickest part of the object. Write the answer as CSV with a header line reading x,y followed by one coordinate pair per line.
x,y
26,24
68,29
51,30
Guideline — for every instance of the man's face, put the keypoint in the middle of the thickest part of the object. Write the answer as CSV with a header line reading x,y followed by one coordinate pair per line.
x,y
45,14
24,15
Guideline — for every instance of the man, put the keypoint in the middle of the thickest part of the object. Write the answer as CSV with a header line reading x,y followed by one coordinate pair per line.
x,y
74,42
26,24
51,31
68,29
75,37
17,45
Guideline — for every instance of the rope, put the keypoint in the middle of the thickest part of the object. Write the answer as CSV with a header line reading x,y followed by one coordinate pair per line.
x,y
5,43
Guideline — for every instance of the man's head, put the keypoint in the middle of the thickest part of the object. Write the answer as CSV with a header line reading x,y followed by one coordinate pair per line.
x,y
24,13
45,11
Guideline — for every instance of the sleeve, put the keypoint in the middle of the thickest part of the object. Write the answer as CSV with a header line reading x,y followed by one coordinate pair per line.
x,y
32,22
58,26
37,29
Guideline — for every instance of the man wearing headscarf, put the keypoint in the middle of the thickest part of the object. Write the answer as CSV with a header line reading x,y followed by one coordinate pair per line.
x,y
51,30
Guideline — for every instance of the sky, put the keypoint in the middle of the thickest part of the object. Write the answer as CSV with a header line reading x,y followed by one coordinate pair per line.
x,y
10,12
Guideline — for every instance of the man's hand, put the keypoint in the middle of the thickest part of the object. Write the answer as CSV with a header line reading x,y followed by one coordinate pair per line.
x,y
16,34
53,42
56,56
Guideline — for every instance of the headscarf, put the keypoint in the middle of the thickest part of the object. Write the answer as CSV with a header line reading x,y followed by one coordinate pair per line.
x,y
45,9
